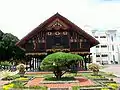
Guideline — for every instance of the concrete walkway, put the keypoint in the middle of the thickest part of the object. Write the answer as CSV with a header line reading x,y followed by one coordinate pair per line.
x,y
115,69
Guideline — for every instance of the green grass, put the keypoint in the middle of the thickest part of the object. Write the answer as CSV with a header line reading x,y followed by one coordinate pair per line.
x,y
108,74
11,77
86,74
75,87
20,85
100,75
38,75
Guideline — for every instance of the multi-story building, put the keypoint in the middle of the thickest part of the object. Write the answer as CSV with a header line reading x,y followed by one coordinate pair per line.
x,y
108,51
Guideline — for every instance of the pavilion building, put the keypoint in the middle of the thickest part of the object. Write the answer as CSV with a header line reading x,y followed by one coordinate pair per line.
x,y
56,34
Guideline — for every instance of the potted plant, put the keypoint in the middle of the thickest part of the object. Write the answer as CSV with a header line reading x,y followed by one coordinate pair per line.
x,y
94,67
21,68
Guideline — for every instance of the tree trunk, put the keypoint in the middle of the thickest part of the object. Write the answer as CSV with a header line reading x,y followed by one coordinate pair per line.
x,y
58,74
95,72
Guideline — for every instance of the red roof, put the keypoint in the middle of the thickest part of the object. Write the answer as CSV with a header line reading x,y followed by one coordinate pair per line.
x,y
92,40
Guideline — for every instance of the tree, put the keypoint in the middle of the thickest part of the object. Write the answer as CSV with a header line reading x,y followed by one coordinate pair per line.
x,y
8,49
60,63
1,34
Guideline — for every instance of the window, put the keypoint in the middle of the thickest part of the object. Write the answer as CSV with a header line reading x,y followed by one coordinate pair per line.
x,y
113,57
104,55
96,36
102,36
112,38
97,46
57,40
103,46
98,61
97,55
112,48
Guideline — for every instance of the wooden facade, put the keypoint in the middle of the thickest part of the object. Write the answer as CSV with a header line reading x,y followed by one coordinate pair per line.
x,y
56,34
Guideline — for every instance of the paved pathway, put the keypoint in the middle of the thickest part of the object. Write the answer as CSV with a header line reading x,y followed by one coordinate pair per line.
x,y
82,82
34,82
115,69
4,82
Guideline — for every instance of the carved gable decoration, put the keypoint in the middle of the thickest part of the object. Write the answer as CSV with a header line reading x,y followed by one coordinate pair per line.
x,y
57,24
44,37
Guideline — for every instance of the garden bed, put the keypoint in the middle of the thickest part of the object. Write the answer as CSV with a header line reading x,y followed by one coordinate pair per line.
x,y
85,81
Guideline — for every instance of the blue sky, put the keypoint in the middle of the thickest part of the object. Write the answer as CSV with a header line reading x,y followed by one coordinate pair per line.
x,y
19,17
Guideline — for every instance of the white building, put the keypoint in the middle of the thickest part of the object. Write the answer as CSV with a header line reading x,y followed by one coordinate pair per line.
x,y
108,51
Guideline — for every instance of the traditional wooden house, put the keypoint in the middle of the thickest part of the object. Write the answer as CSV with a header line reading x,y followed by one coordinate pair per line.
x,y
56,34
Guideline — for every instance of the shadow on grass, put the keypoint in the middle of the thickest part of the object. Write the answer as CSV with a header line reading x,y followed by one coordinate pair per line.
x,y
61,79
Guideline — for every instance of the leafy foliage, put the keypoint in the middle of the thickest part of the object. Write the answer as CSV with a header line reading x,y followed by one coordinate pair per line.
x,y
8,75
18,84
21,68
11,77
60,63
94,67
8,87
114,86
22,79
5,63
8,49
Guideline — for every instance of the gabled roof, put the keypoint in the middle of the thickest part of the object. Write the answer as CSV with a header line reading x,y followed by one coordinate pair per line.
x,y
92,40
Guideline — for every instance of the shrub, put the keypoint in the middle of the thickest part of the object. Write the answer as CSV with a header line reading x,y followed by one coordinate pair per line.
x,y
8,87
21,68
5,63
60,63
94,67
18,84
7,75
114,86
22,79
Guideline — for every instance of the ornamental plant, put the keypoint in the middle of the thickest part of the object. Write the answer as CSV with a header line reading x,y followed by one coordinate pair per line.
x,y
94,67
7,75
8,87
114,86
60,63
22,79
5,64
21,68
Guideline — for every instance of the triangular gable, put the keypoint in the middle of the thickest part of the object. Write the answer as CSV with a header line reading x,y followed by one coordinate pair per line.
x,y
63,23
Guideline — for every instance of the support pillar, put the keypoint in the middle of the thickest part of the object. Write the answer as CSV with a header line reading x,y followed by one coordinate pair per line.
x,y
85,63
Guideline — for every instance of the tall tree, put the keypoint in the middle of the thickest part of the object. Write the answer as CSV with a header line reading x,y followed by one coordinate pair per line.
x,y
8,49
1,34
